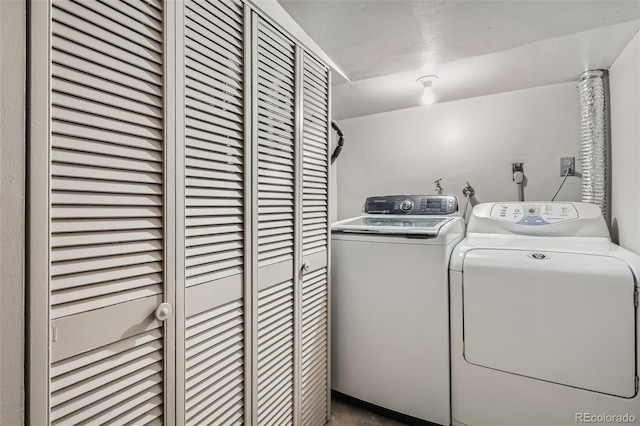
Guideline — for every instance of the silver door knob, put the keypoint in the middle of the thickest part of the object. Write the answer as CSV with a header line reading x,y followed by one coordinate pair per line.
x,y
164,311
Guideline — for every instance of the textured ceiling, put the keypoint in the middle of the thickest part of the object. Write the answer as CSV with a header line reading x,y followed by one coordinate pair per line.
x,y
476,47
379,37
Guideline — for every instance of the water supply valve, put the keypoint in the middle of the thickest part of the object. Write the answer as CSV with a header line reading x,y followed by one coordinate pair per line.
x,y
468,191
438,190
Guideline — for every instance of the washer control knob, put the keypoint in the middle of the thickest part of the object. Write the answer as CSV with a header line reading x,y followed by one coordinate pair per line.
x,y
406,206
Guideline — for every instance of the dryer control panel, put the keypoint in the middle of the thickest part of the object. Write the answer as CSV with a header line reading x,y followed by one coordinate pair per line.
x,y
539,218
534,214
412,205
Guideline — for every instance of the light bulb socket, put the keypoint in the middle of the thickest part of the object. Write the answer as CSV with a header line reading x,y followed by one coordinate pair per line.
x,y
427,80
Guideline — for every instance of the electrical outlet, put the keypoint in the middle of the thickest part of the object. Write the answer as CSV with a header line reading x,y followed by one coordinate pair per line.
x,y
567,163
516,167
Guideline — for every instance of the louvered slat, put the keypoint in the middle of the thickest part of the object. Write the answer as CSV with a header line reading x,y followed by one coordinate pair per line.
x,y
215,366
275,245
214,179
214,112
107,191
116,381
314,341
276,64
315,137
314,348
106,158
275,354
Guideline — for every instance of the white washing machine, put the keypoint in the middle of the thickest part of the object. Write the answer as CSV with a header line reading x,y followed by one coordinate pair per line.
x,y
390,304
543,319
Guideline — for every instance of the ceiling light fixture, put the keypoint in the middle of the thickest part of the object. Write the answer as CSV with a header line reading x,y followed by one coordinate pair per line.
x,y
427,81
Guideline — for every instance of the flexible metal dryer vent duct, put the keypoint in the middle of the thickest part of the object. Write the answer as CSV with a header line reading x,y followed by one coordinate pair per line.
x,y
594,123
338,150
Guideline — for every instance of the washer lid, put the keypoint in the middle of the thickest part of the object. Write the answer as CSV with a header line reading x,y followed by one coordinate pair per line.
x,y
391,224
560,317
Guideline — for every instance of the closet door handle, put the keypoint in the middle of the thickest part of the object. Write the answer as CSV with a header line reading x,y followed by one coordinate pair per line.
x,y
164,311
306,266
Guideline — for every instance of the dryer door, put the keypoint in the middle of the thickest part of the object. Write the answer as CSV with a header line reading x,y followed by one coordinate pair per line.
x,y
560,317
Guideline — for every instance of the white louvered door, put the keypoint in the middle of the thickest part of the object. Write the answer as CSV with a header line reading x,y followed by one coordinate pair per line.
x,y
178,155
274,115
103,159
314,327
215,211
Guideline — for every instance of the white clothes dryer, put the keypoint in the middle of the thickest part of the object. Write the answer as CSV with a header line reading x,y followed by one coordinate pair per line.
x,y
544,325
390,307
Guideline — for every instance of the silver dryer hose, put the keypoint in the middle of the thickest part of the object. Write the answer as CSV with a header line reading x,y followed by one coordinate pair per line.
x,y
594,137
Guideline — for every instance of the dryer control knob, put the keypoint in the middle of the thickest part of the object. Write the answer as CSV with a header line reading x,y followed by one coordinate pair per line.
x,y
406,206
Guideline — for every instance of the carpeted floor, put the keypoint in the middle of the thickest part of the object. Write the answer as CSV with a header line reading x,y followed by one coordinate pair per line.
x,y
344,414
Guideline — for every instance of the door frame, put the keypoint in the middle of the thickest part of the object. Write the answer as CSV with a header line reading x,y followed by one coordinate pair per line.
x,y
38,213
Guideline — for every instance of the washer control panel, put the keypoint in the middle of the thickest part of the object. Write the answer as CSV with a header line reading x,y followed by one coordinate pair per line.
x,y
534,214
412,204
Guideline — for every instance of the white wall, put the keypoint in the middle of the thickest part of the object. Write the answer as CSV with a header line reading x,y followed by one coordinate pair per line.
x,y
12,147
624,82
472,139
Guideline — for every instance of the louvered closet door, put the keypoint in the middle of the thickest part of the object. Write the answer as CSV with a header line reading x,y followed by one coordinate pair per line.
x,y
214,176
106,196
275,226
314,374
